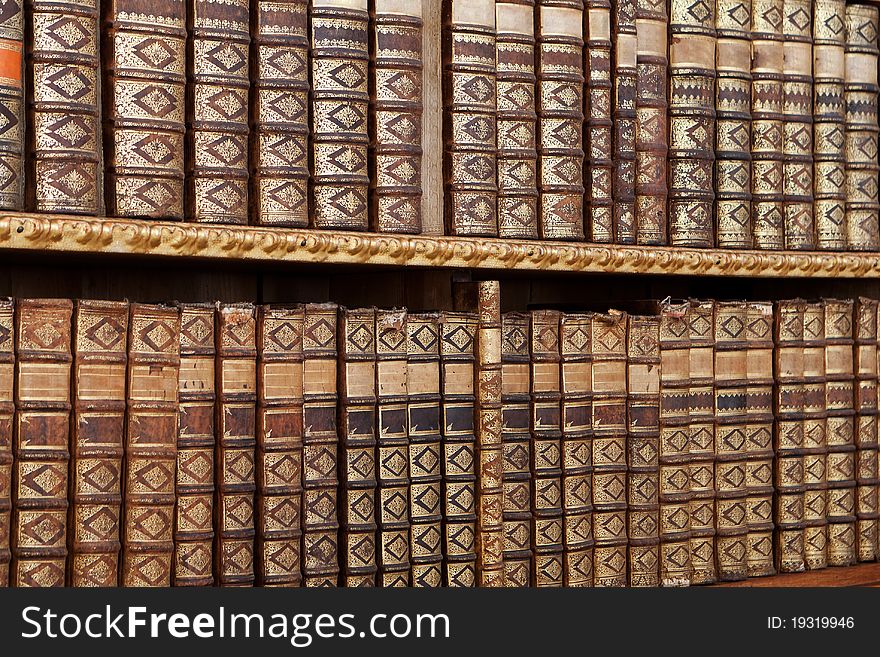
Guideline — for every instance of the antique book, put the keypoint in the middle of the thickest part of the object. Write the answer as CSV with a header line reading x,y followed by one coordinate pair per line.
x,y
797,114
40,447
598,210
609,449
643,449
64,97
860,101
100,331
652,63
194,512
357,423
12,104
691,122
623,98
731,435
560,70
234,463
469,124
149,460
279,465
280,113
320,520
829,190
339,100
575,351
425,460
144,112
516,119
7,410
733,106
867,464
396,116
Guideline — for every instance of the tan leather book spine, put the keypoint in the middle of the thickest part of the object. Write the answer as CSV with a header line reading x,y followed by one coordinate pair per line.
x,y
624,72
12,103
815,442
867,476
100,331
7,412
599,170
194,512
150,454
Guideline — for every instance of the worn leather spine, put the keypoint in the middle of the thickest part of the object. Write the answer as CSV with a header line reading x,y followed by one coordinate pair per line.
x,y
867,477
815,442
597,110
624,72
100,332
144,110
12,122
40,447
7,412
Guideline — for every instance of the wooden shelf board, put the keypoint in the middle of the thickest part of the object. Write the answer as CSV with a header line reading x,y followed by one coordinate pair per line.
x,y
866,574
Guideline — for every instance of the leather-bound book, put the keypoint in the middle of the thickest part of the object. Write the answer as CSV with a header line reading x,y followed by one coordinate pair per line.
x,y
458,335
320,521
469,124
7,410
396,116
867,477
733,106
194,512
425,460
40,447
150,454
144,112
797,114
517,119
339,96
576,352
100,331
815,443
609,449
625,40
64,156
547,453
280,113
643,438
652,27
598,211
560,70
829,189
731,440
860,101
236,373
357,423
279,552
839,434
12,104
691,122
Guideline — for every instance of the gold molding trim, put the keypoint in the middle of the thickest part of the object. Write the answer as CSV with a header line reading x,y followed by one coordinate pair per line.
x,y
93,235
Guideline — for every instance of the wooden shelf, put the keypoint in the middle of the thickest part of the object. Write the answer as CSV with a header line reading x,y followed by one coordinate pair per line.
x,y
92,235
867,574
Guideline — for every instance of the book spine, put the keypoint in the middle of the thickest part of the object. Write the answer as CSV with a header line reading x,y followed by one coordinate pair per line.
x,y
560,70
143,117
797,141
624,58
320,522
867,477
609,449
194,511
236,372
517,119
357,423
575,347
396,116
339,95
12,119
64,99
815,442
643,448
691,122
652,141
860,102
279,551
150,455
599,125
280,113
100,330
733,106
42,419
7,412
829,192
469,123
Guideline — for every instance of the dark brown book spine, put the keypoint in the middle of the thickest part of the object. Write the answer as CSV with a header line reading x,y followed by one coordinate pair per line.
x,y
194,512
12,118
597,66
100,331
867,463
7,411
150,446
143,117
280,113
624,58
815,442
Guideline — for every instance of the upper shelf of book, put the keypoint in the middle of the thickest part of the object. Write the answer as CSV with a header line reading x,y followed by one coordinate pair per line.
x,y
91,235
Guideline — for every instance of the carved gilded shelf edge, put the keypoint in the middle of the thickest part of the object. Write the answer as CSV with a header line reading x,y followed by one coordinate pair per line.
x,y
91,235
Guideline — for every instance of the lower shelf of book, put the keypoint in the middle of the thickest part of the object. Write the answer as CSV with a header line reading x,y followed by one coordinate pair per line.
x,y
866,574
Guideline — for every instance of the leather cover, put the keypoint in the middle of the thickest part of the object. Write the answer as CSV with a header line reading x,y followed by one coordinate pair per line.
x,y
815,442
597,69
7,410
867,478
625,39
12,105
